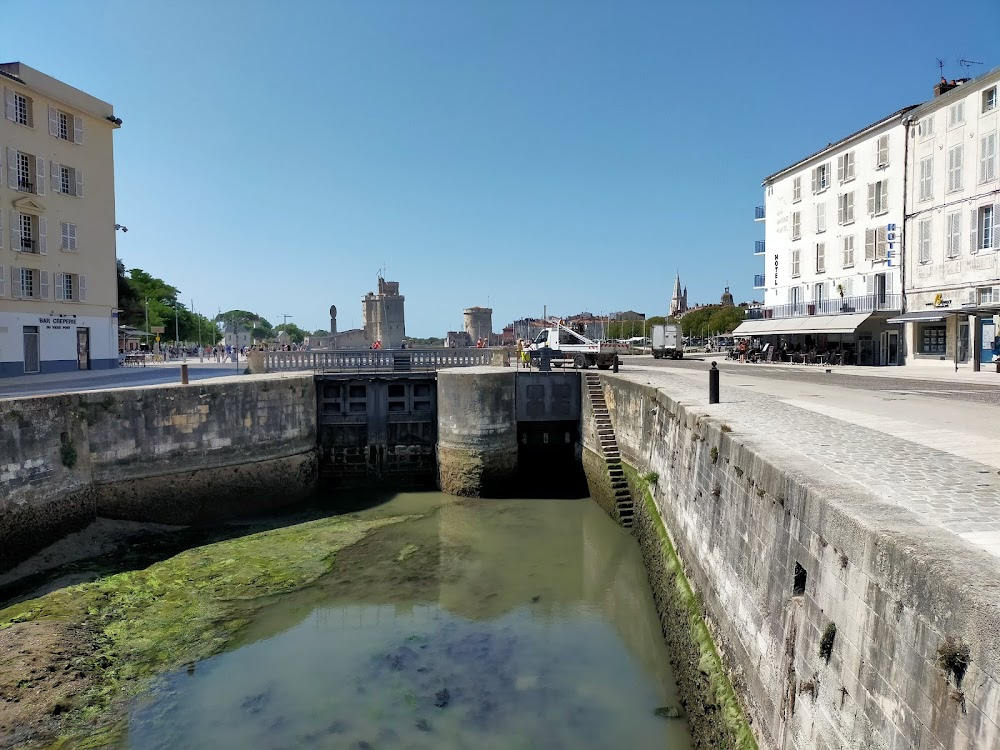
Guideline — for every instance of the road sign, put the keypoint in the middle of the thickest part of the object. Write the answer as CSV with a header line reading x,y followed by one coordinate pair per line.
x,y
158,329
157,339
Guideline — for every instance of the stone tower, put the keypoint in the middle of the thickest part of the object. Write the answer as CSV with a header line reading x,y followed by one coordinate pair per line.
x,y
678,300
383,315
478,323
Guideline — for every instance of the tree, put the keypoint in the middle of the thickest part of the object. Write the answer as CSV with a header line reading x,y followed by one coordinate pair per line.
x,y
295,334
139,292
320,332
711,320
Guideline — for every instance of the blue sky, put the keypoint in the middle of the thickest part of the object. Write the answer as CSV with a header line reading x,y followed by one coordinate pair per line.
x,y
516,154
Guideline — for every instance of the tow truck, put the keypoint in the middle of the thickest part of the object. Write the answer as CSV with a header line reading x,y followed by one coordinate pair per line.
x,y
566,346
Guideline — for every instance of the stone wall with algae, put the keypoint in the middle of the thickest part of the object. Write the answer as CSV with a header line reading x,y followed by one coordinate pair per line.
x,y
173,454
841,622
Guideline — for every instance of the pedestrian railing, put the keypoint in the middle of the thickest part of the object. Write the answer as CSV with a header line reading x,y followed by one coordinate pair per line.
x,y
369,360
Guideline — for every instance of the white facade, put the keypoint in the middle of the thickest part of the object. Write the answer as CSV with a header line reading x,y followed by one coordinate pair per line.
x,y
833,226
953,225
58,277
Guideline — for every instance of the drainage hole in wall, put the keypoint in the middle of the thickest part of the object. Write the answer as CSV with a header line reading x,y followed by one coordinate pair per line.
x,y
799,583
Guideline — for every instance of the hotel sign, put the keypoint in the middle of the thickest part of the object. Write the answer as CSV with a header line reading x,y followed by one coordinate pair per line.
x,y
776,269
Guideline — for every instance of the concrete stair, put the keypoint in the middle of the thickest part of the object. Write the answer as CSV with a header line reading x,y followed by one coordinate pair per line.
x,y
624,506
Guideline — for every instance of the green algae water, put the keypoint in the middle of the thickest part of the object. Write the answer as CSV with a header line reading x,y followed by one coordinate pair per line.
x,y
486,623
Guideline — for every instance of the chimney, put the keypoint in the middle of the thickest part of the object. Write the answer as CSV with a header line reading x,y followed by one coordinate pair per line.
x,y
946,85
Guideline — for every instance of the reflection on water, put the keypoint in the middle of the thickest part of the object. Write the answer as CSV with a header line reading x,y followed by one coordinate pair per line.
x,y
488,624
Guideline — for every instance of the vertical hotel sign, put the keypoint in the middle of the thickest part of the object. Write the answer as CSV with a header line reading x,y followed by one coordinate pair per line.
x,y
776,269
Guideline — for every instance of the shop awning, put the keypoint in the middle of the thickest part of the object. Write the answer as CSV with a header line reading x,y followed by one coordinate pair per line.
x,y
922,316
847,323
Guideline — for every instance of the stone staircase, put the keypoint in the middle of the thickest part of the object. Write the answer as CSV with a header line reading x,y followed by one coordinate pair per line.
x,y
609,450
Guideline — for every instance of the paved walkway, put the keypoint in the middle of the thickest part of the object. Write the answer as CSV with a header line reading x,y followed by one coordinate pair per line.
x,y
938,459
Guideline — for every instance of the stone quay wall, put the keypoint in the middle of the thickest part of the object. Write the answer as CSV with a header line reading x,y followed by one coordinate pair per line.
x,y
842,621
170,454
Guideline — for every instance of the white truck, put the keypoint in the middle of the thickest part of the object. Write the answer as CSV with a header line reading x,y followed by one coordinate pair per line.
x,y
667,341
566,346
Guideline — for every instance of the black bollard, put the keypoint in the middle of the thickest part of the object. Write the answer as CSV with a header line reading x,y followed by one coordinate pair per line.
x,y
184,374
713,385
614,362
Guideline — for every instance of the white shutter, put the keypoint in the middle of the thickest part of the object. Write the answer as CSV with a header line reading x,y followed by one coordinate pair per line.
x,y
15,232
11,168
813,180
10,107
871,199
77,129
840,167
869,244
39,176
849,209
973,230
850,166
881,234
43,284
884,202
996,226
841,207
83,288
60,286
55,177
15,282
3,281
79,182
43,247
987,158
53,121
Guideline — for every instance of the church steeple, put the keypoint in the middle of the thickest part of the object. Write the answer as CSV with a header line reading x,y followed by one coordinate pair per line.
x,y
678,300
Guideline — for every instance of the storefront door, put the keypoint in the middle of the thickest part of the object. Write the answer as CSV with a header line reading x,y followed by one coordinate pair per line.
x,y
991,344
31,359
890,348
83,348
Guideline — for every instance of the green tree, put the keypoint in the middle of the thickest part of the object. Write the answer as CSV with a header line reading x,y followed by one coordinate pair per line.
x,y
320,332
295,334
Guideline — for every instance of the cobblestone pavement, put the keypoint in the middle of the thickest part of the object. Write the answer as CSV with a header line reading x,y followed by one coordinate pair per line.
x,y
953,493
983,393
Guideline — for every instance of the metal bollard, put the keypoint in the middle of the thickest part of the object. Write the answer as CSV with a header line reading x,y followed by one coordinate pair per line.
x,y
184,374
713,384
614,362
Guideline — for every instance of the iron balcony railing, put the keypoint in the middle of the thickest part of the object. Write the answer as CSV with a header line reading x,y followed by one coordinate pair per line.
x,y
27,245
834,306
758,213
25,187
758,281
758,247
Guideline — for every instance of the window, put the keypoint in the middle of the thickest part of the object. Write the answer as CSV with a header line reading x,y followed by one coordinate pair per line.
x,y
876,242
821,178
924,241
796,190
793,295
989,295
926,178
796,257
820,257
955,168
953,235
985,229
819,292
932,339
882,152
956,114
28,286
989,100
25,172
71,287
878,197
848,251
67,180
26,229
988,157
820,218
68,236
27,233
18,108
29,283
845,208
65,126
925,128
796,225
845,167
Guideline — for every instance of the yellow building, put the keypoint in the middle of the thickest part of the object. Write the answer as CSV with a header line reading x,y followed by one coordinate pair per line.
x,y
58,279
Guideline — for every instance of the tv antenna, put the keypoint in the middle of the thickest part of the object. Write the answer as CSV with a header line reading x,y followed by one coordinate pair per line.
x,y
284,317
967,64
940,63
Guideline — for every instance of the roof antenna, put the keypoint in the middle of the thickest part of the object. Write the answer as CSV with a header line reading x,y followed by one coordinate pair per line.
x,y
940,63
967,64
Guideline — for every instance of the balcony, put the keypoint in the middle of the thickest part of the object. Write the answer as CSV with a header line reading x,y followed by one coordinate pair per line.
x,y
835,306
758,281
25,187
758,213
27,245
758,247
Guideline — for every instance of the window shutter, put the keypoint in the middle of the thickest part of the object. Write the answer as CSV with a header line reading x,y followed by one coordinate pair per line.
x,y
880,243
55,177
3,281
15,232
871,199
53,121
15,282
973,230
850,207
11,168
43,284
77,129
841,208
39,175
43,247
9,107
884,202
869,244
1,229
83,288
813,180
987,158
840,167
79,182
996,226
60,288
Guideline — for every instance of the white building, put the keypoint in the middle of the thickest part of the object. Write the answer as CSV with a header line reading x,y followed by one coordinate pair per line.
x,y
831,248
953,225
58,279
